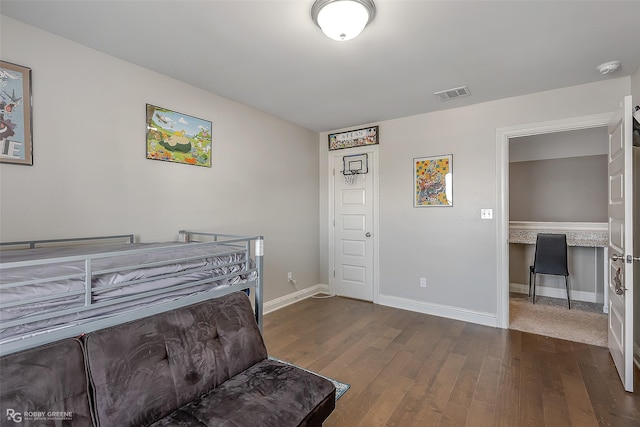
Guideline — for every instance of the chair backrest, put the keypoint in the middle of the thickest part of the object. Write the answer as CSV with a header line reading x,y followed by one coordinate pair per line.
x,y
551,254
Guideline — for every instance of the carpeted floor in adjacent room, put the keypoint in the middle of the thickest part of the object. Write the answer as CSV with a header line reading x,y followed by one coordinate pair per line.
x,y
585,323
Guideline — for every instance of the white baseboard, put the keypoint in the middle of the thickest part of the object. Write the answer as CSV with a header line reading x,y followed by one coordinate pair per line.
x,y
292,298
456,313
544,291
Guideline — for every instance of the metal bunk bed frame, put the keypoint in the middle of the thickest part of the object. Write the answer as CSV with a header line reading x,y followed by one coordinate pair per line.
x,y
235,243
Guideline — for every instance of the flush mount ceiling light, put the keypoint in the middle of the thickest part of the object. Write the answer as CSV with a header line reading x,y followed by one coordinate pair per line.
x,y
342,19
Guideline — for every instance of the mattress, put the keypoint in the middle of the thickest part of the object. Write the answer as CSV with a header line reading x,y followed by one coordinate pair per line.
x,y
125,278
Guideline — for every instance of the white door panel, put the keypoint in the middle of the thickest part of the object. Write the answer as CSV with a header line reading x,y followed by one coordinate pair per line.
x,y
353,233
351,222
354,197
621,243
354,274
354,248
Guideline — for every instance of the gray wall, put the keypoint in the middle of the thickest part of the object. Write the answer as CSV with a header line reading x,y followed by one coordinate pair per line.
x,y
452,247
90,174
559,145
557,190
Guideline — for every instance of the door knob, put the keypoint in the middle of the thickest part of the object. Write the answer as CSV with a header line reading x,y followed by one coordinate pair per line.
x,y
368,234
630,258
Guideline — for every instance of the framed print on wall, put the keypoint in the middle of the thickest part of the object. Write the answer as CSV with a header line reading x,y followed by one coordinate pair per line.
x,y
353,138
432,183
16,144
177,137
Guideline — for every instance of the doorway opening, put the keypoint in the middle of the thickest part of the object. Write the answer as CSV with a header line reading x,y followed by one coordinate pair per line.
x,y
503,138
558,184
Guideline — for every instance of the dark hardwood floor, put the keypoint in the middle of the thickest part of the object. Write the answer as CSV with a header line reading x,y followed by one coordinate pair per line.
x,y
411,369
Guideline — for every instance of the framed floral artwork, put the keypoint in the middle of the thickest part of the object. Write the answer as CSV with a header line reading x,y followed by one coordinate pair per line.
x,y
433,181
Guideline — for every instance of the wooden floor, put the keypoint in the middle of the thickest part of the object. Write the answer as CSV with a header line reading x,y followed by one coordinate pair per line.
x,y
410,369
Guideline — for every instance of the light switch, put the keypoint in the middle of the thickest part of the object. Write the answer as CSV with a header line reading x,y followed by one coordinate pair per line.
x,y
486,213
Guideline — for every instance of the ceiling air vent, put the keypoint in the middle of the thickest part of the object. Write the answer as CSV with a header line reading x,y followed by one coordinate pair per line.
x,y
456,92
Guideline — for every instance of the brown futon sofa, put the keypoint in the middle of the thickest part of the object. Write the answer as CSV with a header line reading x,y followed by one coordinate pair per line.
x,y
201,365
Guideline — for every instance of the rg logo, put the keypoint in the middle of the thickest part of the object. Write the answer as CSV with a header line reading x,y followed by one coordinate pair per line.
x,y
14,416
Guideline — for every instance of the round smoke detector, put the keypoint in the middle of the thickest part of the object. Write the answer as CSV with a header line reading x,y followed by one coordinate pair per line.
x,y
608,67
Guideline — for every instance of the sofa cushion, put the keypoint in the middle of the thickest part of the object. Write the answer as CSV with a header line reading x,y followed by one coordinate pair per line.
x,y
143,370
269,394
45,385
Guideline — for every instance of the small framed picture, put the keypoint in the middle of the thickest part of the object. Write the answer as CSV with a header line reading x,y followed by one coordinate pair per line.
x,y
433,181
16,144
353,138
177,137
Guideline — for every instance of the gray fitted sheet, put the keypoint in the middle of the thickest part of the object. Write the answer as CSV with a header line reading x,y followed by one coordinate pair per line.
x,y
212,261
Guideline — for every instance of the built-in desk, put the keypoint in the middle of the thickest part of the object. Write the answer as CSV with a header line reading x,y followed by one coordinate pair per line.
x,y
583,234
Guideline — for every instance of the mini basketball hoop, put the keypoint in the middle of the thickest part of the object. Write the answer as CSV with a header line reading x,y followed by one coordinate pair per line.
x,y
350,177
354,165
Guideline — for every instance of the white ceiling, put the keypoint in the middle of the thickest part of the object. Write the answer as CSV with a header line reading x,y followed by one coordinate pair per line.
x,y
270,55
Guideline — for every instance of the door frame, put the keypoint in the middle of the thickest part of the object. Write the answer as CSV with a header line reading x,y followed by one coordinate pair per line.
x,y
502,170
375,162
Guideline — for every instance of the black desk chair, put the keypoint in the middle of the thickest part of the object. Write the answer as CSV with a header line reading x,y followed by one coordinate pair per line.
x,y
550,258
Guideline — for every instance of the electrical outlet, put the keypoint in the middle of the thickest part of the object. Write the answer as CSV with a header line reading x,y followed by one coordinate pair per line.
x,y
289,276
423,282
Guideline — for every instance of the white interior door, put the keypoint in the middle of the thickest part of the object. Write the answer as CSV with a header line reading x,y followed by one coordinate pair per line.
x,y
621,243
353,229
